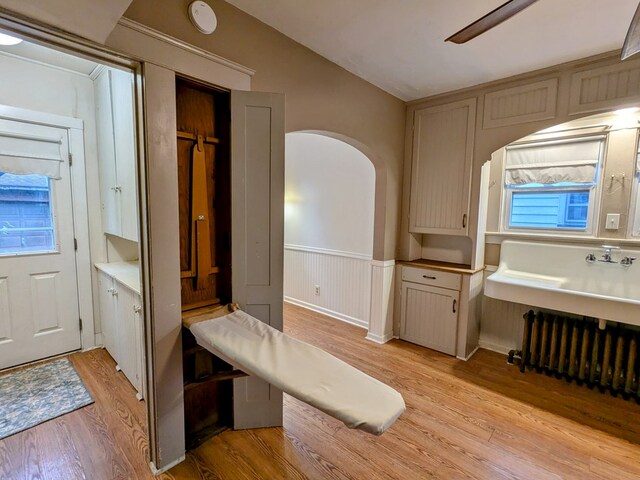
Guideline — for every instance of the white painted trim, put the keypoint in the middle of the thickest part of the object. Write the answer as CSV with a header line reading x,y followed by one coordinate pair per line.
x,y
327,251
95,73
494,347
84,270
338,316
159,471
383,263
490,268
40,118
99,342
468,356
380,339
498,237
163,37
43,64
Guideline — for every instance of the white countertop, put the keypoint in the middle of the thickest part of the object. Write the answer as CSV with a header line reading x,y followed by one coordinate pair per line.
x,y
127,273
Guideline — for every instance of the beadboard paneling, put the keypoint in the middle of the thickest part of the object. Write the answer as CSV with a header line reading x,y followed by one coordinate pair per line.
x,y
605,87
501,324
525,103
344,281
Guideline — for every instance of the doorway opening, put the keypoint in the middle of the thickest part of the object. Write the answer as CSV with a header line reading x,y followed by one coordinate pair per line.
x,y
330,189
69,224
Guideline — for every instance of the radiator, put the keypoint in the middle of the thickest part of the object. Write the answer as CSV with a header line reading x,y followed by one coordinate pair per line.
x,y
577,349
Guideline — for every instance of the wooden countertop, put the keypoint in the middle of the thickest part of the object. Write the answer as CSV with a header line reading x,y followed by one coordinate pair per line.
x,y
443,266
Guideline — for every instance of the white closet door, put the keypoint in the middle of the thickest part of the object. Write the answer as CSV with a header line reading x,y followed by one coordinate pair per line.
x,y
257,131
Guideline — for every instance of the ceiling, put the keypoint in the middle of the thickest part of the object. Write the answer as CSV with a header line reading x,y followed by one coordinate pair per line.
x,y
49,56
399,45
93,19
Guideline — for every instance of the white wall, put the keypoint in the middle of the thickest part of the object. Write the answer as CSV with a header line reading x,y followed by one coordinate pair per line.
x,y
29,85
329,195
329,208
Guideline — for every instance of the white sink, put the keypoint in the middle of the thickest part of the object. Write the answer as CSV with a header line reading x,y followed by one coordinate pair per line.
x,y
557,277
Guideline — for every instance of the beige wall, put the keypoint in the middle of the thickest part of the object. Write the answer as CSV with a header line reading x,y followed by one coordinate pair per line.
x,y
488,139
320,96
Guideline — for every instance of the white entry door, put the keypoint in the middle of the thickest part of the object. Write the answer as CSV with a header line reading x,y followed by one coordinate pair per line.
x,y
38,284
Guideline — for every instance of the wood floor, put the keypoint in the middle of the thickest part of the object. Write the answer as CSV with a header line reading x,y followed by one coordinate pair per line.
x,y
480,419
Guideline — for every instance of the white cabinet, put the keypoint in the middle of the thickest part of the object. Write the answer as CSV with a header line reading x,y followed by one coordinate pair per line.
x,y
429,308
441,162
117,152
122,323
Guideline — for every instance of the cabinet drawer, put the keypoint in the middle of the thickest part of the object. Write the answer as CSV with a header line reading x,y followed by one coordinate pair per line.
x,y
427,276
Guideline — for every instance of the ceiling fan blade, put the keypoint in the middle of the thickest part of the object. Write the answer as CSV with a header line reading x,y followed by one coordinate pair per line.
x,y
490,20
632,40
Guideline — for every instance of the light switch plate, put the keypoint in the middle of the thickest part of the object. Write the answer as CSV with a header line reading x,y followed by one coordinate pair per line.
x,y
613,221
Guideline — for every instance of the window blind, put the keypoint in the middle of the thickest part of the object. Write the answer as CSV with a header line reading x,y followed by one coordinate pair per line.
x,y
571,161
23,154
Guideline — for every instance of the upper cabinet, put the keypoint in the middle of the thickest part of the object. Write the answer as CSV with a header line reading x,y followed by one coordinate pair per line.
x,y
441,163
117,152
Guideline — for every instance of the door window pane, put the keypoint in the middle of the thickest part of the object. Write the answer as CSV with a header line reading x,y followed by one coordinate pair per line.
x,y
26,220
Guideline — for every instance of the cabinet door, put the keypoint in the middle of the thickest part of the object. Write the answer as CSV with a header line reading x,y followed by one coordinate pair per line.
x,y
109,196
125,152
126,331
257,212
107,313
429,316
441,168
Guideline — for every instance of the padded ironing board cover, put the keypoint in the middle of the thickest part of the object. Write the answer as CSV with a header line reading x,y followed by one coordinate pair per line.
x,y
301,370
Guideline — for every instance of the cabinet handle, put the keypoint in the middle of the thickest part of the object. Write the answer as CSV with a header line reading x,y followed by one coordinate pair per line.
x,y
454,305
464,221
429,277
114,292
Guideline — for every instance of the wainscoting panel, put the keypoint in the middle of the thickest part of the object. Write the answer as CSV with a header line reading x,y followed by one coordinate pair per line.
x,y
501,324
343,278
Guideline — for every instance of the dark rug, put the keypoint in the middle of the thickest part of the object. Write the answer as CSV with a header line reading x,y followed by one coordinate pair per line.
x,y
39,393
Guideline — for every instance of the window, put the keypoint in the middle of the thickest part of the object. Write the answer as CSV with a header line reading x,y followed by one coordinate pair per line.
x,y
26,219
552,185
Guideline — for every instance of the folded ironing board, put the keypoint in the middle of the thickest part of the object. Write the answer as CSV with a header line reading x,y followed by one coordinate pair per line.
x,y
299,369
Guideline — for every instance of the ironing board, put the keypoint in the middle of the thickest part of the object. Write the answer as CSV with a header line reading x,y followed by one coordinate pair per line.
x,y
299,369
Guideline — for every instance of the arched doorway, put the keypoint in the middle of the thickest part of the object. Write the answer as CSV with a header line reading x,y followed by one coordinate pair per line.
x,y
330,192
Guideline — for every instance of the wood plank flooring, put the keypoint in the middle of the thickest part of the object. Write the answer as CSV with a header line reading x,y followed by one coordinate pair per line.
x,y
481,419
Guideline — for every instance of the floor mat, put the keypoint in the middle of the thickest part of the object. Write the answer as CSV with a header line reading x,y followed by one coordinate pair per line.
x,y
39,393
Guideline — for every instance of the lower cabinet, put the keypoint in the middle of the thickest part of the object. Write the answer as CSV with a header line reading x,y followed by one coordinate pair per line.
x,y
429,309
122,329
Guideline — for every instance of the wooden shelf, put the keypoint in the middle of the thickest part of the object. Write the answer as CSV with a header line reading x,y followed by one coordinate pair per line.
x,y
218,377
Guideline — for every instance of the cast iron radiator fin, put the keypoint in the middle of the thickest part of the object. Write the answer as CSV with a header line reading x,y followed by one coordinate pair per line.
x,y
577,349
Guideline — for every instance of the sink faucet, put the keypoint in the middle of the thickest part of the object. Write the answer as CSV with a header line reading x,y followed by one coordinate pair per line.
x,y
627,261
606,256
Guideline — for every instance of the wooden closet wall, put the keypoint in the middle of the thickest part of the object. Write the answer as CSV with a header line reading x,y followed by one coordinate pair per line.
x,y
203,125
204,113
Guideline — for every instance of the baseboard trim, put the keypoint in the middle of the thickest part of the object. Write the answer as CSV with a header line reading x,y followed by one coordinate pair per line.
x,y
159,471
337,315
468,356
494,347
380,339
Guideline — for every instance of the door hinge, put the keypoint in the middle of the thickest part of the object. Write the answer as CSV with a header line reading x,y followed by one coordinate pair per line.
x,y
80,323
70,159
75,244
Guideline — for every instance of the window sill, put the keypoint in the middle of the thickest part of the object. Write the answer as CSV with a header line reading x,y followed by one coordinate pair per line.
x,y
498,237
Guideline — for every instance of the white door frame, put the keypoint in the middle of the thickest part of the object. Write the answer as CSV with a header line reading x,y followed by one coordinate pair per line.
x,y
75,129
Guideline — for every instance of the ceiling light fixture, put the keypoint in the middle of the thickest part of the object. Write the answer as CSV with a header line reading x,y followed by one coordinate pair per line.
x,y
9,40
203,17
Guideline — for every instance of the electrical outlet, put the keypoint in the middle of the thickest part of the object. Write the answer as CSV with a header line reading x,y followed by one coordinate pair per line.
x,y
317,289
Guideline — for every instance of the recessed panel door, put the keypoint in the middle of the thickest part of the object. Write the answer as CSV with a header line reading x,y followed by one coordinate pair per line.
x,y
38,288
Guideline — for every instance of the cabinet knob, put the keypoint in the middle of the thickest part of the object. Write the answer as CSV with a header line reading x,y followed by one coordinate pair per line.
x,y
137,308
